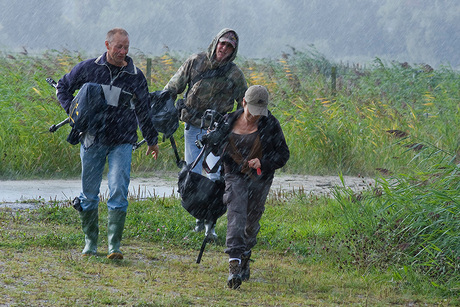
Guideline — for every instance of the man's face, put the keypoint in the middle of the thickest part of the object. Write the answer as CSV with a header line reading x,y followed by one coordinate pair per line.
x,y
223,51
117,49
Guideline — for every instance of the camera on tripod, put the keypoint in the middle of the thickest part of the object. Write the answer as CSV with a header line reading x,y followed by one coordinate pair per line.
x,y
217,130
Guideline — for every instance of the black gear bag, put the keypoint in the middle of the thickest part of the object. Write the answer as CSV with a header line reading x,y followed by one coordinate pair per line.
x,y
202,197
165,119
87,112
163,113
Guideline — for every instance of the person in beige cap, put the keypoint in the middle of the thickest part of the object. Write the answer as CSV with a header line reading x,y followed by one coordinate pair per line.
x,y
255,147
213,82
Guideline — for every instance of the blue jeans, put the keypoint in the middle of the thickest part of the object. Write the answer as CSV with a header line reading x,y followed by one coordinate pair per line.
x,y
191,134
92,167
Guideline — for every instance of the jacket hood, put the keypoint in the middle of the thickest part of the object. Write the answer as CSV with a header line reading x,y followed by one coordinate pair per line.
x,y
212,47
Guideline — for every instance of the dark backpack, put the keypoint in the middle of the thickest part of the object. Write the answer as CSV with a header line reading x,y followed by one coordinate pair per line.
x,y
163,113
165,119
87,112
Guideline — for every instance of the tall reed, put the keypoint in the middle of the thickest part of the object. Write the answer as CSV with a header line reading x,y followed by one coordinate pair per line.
x,y
347,130
408,219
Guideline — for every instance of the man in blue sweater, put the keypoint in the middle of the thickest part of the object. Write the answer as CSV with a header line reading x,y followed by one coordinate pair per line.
x,y
126,94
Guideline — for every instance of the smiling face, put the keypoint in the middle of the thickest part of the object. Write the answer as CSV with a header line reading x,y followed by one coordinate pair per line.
x,y
117,49
223,51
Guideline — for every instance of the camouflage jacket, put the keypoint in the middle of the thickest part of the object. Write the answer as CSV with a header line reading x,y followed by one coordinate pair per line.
x,y
218,93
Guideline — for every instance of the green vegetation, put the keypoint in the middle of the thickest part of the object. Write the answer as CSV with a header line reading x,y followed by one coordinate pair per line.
x,y
307,255
397,242
328,131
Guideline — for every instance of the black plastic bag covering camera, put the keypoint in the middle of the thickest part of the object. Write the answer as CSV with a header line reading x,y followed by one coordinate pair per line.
x,y
201,197
163,113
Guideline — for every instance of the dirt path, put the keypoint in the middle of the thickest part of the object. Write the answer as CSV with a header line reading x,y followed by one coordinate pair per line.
x,y
20,193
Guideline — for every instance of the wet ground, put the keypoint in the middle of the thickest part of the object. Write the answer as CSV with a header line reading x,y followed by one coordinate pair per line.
x,y
21,194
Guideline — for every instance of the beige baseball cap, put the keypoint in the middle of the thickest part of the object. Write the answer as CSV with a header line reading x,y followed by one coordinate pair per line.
x,y
257,98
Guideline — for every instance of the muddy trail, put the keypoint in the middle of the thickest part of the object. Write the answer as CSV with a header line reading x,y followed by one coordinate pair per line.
x,y
22,194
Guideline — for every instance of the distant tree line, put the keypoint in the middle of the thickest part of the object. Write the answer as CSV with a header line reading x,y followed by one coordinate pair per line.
x,y
422,31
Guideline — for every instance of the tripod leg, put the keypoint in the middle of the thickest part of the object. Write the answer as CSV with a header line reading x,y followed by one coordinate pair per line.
x,y
203,246
179,163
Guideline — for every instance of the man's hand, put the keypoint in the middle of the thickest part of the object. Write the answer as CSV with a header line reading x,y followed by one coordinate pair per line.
x,y
153,150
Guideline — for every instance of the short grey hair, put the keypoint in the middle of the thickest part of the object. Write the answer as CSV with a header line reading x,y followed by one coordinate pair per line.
x,y
114,31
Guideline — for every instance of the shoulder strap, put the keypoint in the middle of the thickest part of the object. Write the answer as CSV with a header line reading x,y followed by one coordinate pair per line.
x,y
210,73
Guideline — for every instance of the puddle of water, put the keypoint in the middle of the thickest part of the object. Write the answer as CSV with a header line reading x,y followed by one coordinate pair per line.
x,y
20,194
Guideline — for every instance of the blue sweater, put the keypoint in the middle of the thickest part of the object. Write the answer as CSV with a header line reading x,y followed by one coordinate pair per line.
x,y
121,124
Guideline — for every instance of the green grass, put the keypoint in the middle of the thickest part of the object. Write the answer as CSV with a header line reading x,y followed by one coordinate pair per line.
x,y
299,260
393,243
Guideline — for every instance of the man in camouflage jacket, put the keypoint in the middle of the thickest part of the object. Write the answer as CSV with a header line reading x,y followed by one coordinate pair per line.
x,y
214,82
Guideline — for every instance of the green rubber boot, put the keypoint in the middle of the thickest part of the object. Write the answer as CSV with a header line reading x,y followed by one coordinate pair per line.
x,y
90,227
114,233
